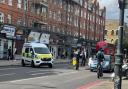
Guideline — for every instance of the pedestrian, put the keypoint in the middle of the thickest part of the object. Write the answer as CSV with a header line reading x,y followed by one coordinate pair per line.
x,y
83,58
78,58
14,53
73,58
9,53
90,60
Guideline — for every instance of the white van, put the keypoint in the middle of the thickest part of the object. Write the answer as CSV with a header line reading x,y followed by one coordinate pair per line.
x,y
36,54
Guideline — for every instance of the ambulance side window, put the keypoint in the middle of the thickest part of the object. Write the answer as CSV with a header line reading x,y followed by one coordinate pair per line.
x,y
27,50
31,50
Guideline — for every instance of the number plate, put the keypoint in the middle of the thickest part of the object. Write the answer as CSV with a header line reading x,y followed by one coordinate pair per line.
x,y
45,61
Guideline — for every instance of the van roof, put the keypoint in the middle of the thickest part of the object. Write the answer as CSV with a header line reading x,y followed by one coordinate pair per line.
x,y
34,45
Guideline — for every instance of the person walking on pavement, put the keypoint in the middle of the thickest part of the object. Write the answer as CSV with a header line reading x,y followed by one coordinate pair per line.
x,y
9,53
83,58
14,53
77,58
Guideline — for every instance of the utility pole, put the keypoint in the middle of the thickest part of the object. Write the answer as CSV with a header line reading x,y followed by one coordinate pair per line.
x,y
119,54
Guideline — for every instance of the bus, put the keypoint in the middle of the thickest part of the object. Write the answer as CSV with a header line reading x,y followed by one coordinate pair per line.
x,y
109,49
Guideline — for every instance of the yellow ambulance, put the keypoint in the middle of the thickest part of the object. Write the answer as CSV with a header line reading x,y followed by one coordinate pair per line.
x,y
36,54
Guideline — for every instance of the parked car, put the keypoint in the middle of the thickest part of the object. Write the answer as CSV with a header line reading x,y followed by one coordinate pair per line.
x,y
108,63
91,60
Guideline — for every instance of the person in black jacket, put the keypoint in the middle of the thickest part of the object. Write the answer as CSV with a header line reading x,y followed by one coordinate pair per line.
x,y
83,58
78,58
9,53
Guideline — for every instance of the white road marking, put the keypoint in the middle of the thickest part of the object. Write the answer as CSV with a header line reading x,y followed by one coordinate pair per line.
x,y
36,71
7,74
43,77
10,68
40,73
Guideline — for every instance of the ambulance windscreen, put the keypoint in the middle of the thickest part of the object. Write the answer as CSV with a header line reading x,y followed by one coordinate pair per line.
x,y
41,50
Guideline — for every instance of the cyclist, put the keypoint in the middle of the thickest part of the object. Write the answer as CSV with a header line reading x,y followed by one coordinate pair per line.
x,y
100,58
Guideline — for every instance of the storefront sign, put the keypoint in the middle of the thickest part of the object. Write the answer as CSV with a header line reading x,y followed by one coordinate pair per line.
x,y
9,30
44,38
34,36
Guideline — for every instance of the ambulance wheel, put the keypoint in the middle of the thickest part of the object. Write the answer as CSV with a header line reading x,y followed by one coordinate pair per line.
x,y
32,64
50,66
22,63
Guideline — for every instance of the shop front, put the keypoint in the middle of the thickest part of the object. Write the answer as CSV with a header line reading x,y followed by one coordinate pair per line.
x,y
57,46
7,40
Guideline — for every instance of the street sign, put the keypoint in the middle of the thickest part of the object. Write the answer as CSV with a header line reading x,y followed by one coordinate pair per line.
x,y
126,4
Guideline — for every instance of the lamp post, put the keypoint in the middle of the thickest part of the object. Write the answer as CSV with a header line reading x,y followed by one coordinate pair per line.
x,y
119,55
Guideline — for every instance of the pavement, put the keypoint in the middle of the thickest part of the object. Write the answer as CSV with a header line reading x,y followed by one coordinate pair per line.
x,y
108,84
17,61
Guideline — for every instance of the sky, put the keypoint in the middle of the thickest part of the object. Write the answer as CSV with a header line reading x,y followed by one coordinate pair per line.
x,y
112,11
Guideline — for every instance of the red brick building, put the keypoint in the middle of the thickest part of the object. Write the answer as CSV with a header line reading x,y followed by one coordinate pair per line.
x,y
65,20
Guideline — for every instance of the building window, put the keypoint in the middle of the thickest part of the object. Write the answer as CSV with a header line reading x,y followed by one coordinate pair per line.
x,y
85,14
45,0
2,1
50,14
1,17
19,4
112,32
10,2
59,15
9,19
85,4
44,11
25,4
116,32
64,5
105,32
69,8
19,22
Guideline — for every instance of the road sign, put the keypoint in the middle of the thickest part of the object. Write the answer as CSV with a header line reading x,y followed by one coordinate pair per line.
x,y
126,4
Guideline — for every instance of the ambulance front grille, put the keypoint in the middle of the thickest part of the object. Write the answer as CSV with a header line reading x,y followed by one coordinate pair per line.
x,y
46,59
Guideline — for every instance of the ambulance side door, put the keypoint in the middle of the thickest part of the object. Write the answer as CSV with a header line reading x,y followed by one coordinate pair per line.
x,y
27,52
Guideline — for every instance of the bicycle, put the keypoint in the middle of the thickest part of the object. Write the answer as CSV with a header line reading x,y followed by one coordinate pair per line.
x,y
99,70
